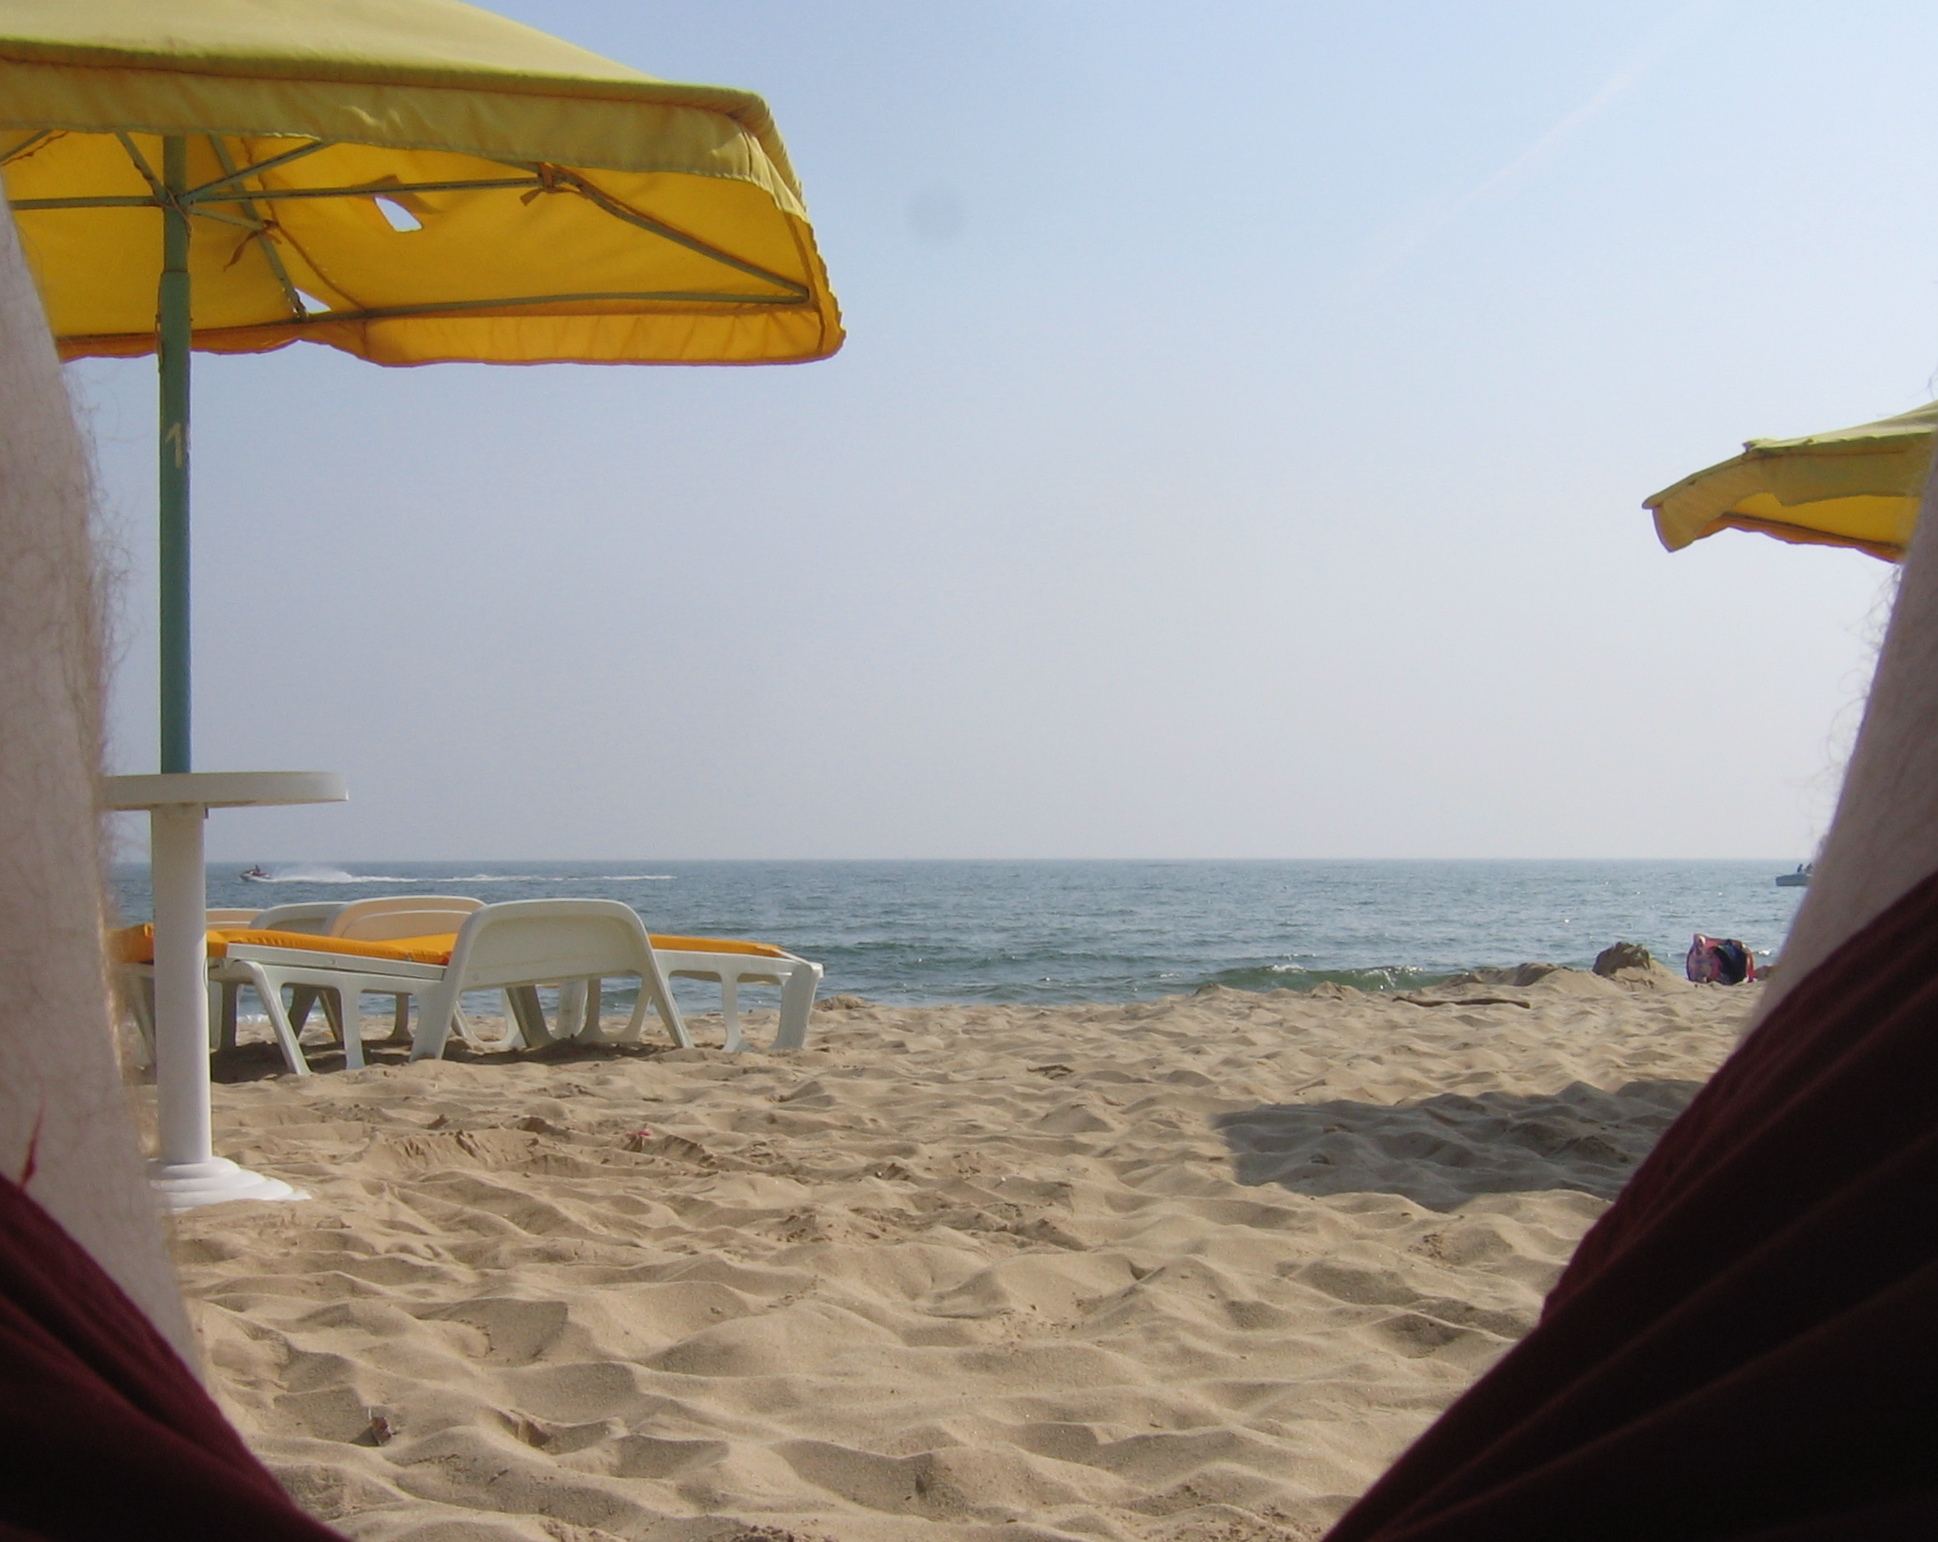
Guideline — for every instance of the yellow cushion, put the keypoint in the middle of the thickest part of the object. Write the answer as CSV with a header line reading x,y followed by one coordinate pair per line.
x,y
136,945
409,950
719,945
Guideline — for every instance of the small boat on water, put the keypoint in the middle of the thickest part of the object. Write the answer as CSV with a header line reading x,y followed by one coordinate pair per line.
x,y
257,875
1800,879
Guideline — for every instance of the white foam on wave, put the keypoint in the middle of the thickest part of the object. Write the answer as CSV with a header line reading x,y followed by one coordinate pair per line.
x,y
305,873
551,878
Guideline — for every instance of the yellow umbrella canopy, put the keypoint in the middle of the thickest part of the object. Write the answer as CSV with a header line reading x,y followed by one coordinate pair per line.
x,y
407,180
1850,487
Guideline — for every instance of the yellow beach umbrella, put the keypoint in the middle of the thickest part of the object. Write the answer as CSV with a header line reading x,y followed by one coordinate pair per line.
x,y
1850,487
411,181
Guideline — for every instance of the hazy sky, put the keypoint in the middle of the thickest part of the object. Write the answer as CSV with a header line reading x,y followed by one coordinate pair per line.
x,y
1238,452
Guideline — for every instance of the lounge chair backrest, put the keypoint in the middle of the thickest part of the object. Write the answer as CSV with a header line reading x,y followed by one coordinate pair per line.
x,y
551,939
526,943
308,917
404,915
229,915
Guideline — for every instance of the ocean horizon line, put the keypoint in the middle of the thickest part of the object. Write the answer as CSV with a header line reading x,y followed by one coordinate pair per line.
x,y
1790,859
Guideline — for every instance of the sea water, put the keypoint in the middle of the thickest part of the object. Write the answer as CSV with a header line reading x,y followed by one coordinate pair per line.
x,y
916,932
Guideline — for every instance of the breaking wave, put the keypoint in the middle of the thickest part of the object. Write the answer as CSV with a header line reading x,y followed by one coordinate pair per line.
x,y
1289,977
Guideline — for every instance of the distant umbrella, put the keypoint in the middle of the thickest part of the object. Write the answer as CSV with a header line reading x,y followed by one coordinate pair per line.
x,y
1850,487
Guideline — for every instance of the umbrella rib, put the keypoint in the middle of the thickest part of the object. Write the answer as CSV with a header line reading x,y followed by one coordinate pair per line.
x,y
38,137
296,306
596,196
231,173
241,222
162,195
437,307
126,201
599,198
440,307
384,189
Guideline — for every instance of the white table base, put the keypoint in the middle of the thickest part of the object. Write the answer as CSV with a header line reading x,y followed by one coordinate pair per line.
x,y
188,1173
184,1185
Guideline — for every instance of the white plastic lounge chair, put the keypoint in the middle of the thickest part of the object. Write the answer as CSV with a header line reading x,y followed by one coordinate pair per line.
x,y
306,917
513,947
313,971
797,978
138,982
137,993
700,958
373,920
279,918
402,915
222,1007
378,920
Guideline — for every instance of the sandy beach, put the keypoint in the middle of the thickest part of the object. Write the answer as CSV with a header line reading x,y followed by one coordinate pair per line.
x,y
1188,1270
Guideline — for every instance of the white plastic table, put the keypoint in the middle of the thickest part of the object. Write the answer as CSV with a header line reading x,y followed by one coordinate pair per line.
x,y
188,1173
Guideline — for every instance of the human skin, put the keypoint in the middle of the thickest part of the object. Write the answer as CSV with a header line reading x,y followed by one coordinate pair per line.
x,y
1884,837
65,1130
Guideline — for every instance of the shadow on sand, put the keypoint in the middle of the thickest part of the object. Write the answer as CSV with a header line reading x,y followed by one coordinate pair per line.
x,y
257,1061
1444,1151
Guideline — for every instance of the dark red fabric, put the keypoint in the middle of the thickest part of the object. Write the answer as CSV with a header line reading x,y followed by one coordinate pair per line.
x,y
1746,1344
105,1436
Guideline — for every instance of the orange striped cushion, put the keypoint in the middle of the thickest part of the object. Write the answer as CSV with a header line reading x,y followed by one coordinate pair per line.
x,y
719,945
409,950
136,945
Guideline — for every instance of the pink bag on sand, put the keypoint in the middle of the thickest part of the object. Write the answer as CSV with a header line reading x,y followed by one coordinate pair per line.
x,y
1719,961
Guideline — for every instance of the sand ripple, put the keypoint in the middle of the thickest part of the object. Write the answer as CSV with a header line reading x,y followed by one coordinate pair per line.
x,y
1192,1270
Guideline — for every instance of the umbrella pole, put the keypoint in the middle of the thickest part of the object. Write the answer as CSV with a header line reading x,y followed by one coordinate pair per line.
x,y
187,1172
179,879
175,830
173,341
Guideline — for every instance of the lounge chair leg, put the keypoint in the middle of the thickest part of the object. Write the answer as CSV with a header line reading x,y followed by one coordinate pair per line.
x,y
797,1006
231,1009
271,997
350,1026
730,1009
656,997
139,994
530,1017
580,1016
435,1010
572,1010
301,999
